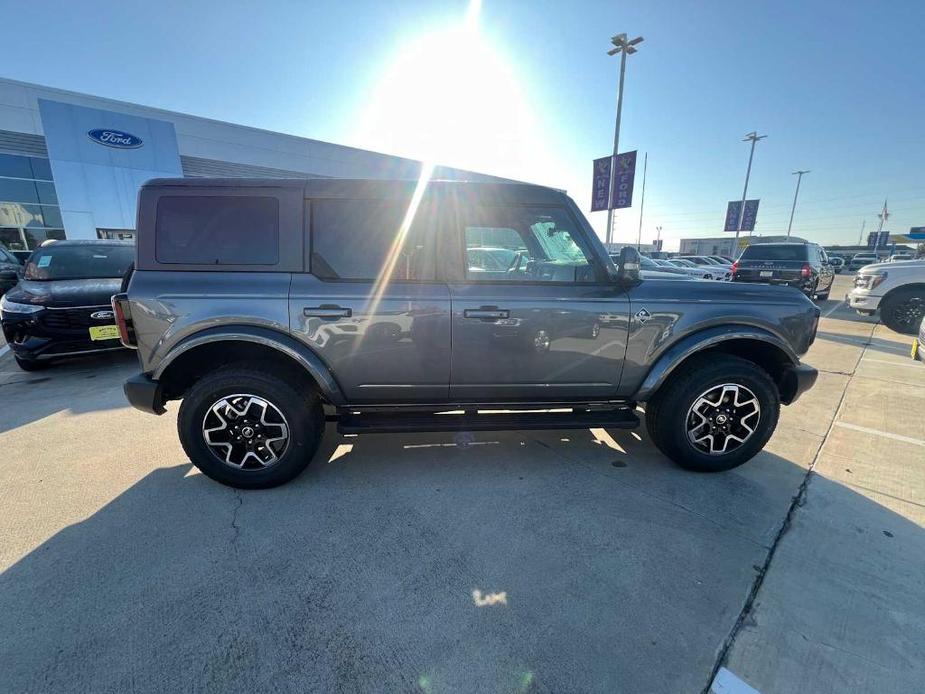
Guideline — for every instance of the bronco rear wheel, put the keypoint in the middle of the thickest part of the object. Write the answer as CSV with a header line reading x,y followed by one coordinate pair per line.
x,y
714,415
249,429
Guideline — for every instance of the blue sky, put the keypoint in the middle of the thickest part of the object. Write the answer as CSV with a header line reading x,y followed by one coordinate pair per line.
x,y
836,86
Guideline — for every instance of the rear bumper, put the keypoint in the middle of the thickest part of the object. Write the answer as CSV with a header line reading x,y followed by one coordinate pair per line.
x,y
145,394
795,381
803,285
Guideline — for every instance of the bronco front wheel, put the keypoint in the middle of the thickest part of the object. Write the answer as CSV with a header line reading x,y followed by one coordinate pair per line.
x,y
714,415
249,429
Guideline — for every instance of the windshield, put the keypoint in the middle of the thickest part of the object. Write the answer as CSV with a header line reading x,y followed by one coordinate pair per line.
x,y
769,252
79,262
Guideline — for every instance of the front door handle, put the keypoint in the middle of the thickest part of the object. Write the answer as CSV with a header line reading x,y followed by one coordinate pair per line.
x,y
487,313
327,312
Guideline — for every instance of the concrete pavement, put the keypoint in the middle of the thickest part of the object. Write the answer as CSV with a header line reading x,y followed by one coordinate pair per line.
x,y
517,561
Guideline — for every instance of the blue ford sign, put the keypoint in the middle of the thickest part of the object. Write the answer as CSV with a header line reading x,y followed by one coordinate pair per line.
x,y
115,138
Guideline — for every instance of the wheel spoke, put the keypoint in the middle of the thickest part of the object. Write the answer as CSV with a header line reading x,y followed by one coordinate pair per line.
x,y
245,431
723,418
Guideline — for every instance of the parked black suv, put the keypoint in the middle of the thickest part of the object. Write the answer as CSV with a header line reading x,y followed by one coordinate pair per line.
x,y
10,270
801,265
271,306
62,306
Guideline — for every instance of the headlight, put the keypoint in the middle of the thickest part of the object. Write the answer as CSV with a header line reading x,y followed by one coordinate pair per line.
x,y
869,281
7,306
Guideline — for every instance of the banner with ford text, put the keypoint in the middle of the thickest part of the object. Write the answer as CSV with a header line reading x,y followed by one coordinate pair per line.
x,y
600,184
626,175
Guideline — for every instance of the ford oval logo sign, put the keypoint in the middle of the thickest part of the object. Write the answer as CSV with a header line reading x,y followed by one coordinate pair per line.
x,y
115,138
102,315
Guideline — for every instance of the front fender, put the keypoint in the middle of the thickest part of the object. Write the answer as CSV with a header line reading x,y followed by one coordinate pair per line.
x,y
267,337
669,360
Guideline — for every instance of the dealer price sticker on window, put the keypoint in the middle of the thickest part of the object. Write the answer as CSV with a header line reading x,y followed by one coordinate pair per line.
x,y
104,332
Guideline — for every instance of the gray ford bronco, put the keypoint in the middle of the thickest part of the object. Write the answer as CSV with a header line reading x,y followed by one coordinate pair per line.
x,y
270,307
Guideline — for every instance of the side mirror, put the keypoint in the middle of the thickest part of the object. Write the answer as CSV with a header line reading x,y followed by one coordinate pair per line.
x,y
628,266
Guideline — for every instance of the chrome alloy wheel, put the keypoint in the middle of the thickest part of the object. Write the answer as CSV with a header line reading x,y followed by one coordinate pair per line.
x,y
722,418
245,431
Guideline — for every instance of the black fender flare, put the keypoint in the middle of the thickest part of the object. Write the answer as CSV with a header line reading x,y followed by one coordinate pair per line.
x,y
267,337
669,360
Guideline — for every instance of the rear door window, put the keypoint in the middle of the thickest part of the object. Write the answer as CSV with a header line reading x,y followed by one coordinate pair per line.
x,y
369,239
217,230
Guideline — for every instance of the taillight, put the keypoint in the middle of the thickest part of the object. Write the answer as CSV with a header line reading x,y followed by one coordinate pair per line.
x,y
806,271
123,314
735,267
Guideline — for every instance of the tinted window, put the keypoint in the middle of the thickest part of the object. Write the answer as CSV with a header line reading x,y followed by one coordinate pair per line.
x,y
767,251
11,165
363,239
17,190
79,262
217,230
533,244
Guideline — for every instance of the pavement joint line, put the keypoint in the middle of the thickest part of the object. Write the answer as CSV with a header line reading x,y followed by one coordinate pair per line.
x,y
877,432
892,363
798,500
832,310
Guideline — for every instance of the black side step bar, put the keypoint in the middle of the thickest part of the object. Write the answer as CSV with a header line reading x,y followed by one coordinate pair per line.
x,y
387,422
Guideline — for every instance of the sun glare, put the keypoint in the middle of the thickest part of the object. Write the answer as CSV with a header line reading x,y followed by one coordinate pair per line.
x,y
450,97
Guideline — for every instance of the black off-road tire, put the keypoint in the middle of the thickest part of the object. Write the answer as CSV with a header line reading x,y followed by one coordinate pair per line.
x,y
902,310
667,412
824,296
31,365
301,408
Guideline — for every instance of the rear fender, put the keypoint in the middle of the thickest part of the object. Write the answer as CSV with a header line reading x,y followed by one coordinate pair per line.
x,y
266,337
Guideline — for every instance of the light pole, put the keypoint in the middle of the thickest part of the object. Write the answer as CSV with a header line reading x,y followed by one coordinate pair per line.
x,y
623,47
799,175
753,136
658,237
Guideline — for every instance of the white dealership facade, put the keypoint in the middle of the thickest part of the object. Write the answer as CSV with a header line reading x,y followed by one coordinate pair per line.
x,y
71,164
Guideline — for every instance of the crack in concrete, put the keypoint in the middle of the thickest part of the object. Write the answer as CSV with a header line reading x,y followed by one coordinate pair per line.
x,y
798,500
234,516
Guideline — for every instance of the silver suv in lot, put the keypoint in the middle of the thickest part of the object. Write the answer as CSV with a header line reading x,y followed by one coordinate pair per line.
x,y
270,307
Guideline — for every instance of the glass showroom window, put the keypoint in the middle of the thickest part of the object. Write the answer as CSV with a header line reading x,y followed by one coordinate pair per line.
x,y
29,212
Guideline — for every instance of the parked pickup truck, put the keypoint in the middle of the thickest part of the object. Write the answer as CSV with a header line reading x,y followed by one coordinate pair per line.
x,y
896,290
272,306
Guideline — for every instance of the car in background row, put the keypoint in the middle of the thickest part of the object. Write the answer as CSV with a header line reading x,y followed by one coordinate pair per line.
x,y
861,259
686,268
896,290
719,270
10,270
897,257
651,270
62,306
837,263
804,266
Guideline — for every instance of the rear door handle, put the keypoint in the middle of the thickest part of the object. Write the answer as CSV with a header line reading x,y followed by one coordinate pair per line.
x,y
327,312
487,313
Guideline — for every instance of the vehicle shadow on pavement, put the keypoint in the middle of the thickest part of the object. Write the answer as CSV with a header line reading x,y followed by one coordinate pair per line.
x,y
81,385
517,561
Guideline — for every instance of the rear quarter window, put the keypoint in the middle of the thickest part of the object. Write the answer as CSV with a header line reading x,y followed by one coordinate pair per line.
x,y
217,230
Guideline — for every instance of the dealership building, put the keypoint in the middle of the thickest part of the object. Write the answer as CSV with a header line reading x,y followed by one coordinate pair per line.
x,y
71,164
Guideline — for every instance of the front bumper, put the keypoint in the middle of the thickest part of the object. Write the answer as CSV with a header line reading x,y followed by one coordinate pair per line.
x,y
145,394
31,339
863,301
795,381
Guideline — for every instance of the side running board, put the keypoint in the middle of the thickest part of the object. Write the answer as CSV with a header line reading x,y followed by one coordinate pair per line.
x,y
388,422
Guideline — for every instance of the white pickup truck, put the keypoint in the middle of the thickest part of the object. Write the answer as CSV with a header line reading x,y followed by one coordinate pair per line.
x,y
895,289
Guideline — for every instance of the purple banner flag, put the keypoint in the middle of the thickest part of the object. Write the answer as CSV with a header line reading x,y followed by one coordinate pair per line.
x,y
626,174
600,186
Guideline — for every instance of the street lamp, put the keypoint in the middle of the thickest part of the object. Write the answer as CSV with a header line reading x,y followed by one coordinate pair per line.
x,y
753,136
624,47
799,175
